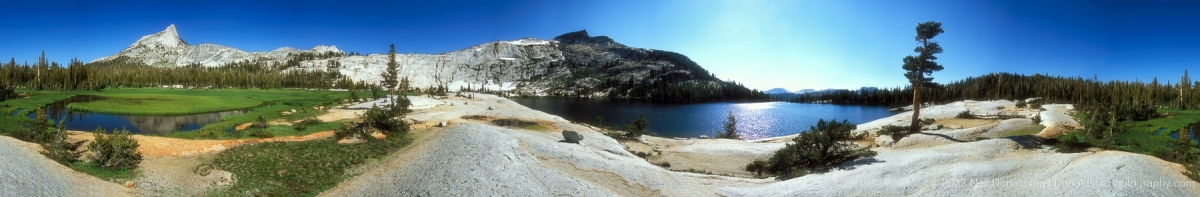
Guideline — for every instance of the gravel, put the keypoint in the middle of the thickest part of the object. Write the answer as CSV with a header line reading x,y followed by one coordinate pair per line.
x,y
25,172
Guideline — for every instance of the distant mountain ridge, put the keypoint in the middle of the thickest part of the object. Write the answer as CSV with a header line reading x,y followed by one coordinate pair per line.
x,y
572,64
166,48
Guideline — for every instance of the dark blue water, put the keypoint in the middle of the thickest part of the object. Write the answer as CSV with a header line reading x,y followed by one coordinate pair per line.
x,y
755,120
1191,133
159,125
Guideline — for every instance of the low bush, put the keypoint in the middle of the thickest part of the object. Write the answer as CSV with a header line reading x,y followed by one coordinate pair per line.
x,y
38,130
385,120
927,121
303,125
757,167
352,130
897,132
635,127
260,133
818,149
965,115
1021,104
260,123
114,151
1071,142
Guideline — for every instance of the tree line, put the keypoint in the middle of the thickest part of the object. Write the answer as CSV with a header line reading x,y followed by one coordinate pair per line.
x,y
1012,86
129,72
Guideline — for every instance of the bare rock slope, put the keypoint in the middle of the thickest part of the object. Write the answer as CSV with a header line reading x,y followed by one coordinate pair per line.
x,y
474,158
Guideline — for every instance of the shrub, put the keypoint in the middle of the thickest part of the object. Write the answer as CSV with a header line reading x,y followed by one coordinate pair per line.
x,y
635,127
1021,104
385,121
1071,142
37,131
897,132
965,115
1142,112
115,151
353,130
303,125
599,122
260,133
757,167
927,121
6,92
261,123
818,149
59,150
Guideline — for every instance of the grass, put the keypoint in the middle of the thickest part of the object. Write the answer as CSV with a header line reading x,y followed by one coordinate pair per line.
x,y
1024,130
297,168
17,110
163,104
1141,137
163,101
104,174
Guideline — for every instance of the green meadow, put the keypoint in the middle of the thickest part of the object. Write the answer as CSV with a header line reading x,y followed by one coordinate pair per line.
x,y
268,103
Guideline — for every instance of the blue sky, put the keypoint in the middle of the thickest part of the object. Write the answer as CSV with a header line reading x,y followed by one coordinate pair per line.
x,y
762,44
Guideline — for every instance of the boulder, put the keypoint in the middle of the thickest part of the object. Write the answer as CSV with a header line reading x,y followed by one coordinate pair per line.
x,y
442,124
572,136
703,136
491,108
935,126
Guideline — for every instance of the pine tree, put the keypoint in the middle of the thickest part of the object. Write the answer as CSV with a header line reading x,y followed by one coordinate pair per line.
x,y
730,128
917,68
389,76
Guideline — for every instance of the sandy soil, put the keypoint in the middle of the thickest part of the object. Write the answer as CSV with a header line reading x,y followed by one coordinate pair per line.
x,y
965,123
153,146
179,176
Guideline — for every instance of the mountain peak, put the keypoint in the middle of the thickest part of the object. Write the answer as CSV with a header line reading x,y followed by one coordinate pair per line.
x,y
325,49
167,38
582,36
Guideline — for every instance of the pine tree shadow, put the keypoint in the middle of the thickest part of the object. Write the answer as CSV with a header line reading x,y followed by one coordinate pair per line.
x,y
1027,141
943,136
851,165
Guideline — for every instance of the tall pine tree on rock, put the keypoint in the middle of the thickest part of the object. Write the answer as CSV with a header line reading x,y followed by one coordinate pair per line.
x,y
389,75
917,69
